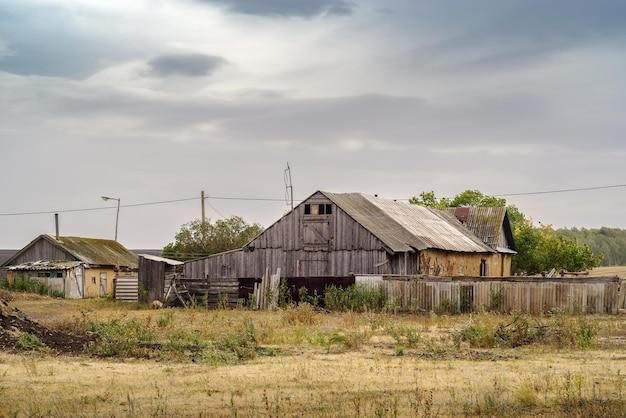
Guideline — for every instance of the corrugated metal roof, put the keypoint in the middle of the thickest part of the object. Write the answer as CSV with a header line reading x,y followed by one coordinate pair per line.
x,y
161,259
484,222
46,265
97,251
403,226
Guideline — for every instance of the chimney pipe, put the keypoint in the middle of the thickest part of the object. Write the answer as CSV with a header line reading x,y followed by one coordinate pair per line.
x,y
56,225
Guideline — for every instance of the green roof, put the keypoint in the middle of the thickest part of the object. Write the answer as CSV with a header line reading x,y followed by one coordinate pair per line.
x,y
97,251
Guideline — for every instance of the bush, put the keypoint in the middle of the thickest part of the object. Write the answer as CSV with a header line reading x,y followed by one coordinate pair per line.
x,y
446,306
120,339
303,314
353,298
26,284
405,336
241,344
496,300
28,341
559,331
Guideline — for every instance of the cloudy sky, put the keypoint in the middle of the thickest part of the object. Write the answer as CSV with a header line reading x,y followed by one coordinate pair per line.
x,y
154,100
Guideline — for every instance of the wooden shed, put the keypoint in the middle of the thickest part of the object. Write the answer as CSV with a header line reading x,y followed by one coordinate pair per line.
x,y
155,275
329,237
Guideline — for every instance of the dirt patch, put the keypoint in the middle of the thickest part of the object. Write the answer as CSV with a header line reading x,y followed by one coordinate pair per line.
x,y
18,332
472,355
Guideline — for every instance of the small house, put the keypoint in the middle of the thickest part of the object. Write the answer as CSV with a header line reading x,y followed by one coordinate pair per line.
x,y
76,267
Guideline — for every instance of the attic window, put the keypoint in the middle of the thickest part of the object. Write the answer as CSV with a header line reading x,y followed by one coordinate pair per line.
x,y
318,209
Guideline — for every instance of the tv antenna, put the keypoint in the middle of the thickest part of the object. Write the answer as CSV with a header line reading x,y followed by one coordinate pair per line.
x,y
288,186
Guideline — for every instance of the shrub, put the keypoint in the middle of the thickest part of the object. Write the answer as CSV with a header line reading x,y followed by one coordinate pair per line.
x,y
559,331
120,339
578,332
344,341
303,314
165,319
446,306
526,394
496,300
28,341
26,284
405,336
284,294
241,344
353,298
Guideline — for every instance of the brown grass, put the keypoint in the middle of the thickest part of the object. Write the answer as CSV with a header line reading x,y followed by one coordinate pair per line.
x,y
314,364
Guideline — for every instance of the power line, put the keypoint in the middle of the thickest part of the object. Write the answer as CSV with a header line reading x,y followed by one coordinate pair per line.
x,y
131,205
267,199
579,189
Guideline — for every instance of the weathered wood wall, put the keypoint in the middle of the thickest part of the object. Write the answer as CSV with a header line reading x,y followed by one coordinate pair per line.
x,y
506,294
151,279
43,250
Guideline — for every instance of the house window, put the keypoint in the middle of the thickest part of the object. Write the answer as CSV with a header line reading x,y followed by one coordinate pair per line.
x,y
59,274
318,209
484,268
93,280
224,270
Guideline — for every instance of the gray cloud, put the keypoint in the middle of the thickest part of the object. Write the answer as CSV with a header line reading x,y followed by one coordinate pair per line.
x,y
490,35
51,40
190,65
501,96
300,8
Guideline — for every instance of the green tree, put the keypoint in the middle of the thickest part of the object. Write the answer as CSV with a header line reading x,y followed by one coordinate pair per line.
x,y
197,239
538,249
468,198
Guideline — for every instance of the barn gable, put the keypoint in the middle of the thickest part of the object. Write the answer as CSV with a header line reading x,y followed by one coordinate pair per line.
x,y
331,230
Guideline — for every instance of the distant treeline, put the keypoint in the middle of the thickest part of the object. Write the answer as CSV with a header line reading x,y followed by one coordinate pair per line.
x,y
610,243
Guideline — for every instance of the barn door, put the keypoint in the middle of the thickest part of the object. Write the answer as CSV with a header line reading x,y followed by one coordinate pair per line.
x,y
317,234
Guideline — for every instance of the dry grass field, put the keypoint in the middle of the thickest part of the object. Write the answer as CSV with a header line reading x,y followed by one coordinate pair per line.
x,y
609,271
200,363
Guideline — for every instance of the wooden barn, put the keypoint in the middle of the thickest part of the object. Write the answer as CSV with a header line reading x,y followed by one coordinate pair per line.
x,y
76,267
330,237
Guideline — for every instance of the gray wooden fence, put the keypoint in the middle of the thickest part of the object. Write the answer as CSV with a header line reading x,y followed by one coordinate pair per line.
x,y
532,295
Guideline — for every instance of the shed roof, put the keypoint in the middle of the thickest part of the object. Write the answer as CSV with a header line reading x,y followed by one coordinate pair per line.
x,y
161,259
403,227
486,224
95,251
98,251
46,265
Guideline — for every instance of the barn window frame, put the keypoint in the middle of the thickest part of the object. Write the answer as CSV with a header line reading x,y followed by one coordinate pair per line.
x,y
317,209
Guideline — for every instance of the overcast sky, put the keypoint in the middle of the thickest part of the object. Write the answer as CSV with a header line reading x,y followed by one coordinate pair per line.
x,y
158,99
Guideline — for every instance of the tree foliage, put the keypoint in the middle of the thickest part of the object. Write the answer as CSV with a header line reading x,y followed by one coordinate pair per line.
x,y
197,239
542,249
538,248
610,242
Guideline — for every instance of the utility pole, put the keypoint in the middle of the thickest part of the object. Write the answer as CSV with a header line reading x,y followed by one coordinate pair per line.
x,y
117,215
288,186
202,202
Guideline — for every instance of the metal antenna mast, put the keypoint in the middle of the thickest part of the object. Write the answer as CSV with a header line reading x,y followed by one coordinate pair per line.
x,y
288,186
